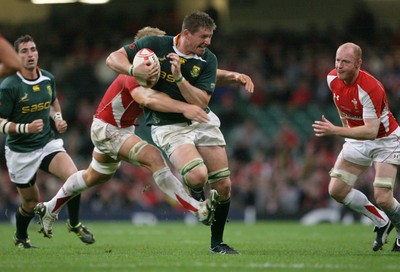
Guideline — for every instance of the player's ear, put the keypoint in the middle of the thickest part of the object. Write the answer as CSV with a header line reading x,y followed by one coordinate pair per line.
x,y
359,62
185,32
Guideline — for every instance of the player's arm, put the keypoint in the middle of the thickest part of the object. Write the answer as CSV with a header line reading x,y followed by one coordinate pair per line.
x,y
8,127
9,59
56,114
225,77
159,101
368,131
192,94
119,62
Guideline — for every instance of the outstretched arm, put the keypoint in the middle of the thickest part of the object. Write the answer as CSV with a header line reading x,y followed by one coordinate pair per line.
x,y
368,131
225,77
9,59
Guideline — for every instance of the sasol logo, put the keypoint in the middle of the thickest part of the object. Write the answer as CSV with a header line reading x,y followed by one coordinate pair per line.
x,y
36,107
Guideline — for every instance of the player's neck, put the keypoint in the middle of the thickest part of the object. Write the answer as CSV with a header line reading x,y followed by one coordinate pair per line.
x,y
30,74
353,79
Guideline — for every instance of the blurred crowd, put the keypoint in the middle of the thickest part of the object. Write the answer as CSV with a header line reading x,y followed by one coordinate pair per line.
x,y
278,168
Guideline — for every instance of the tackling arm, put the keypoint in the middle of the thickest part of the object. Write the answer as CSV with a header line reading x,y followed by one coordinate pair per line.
x,y
159,101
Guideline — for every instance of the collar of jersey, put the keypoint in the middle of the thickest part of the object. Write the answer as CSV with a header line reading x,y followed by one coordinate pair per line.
x,y
33,82
176,40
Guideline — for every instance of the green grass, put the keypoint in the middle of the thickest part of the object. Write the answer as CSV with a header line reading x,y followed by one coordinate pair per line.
x,y
266,246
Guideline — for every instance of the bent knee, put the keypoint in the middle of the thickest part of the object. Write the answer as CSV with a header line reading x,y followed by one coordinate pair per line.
x,y
338,190
197,177
223,188
384,199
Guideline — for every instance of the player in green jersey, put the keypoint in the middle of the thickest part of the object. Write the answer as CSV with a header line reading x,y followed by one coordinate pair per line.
x,y
9,60
27,101
188,74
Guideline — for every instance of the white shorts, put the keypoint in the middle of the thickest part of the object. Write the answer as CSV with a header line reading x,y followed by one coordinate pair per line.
x,y
23,166
108,138
386,149
169,137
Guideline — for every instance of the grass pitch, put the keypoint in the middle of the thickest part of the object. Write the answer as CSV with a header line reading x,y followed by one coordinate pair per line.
x,y
265,246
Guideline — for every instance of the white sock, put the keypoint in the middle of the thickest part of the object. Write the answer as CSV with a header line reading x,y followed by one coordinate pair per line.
x,y
358,202
74,185
171,186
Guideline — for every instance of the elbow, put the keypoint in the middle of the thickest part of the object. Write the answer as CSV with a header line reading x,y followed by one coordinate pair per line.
x,y
371,136
108,61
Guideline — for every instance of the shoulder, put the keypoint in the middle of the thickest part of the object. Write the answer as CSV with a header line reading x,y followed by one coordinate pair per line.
x,y
368,82
47,74
152,42
210,56
332,75
10,81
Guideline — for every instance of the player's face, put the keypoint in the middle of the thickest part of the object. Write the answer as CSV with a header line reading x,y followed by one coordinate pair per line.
x,y
29,55
199,41
346,64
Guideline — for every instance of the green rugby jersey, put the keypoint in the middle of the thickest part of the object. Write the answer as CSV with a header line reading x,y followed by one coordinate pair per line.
x,y
23,101
200,71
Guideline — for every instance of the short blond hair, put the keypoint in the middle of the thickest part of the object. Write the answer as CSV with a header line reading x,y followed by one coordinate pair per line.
x,y
148,31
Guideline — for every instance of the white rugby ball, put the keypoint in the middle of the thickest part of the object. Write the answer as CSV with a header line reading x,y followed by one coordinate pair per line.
x,y
141,56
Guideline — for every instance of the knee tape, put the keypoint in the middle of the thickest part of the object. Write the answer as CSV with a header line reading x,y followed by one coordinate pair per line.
x,y
135,150
106,168
387,183
193,164
218,175
344,176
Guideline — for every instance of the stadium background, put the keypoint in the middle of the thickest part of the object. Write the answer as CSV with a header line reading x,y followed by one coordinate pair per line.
x,y
279,169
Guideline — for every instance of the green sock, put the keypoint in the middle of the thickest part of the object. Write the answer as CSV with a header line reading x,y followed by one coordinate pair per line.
x,y
217,228
23,219
197,194
73,210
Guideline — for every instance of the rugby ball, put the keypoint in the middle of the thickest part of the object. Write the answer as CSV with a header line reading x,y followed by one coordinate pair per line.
x,y
141,56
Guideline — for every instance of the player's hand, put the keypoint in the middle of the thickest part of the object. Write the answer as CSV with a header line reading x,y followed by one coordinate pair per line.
x,y
61,126
323,127
175,64
147,70
246,81
195,113
36,126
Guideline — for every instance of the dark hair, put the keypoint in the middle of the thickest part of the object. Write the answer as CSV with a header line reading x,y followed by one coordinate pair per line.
x,y
196,20
23,39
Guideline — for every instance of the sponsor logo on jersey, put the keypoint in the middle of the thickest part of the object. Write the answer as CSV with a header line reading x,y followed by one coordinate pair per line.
x,y
49,89
195,71
36,107
36,88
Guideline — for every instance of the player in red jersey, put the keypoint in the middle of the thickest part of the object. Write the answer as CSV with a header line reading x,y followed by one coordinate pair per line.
x,y
371,137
